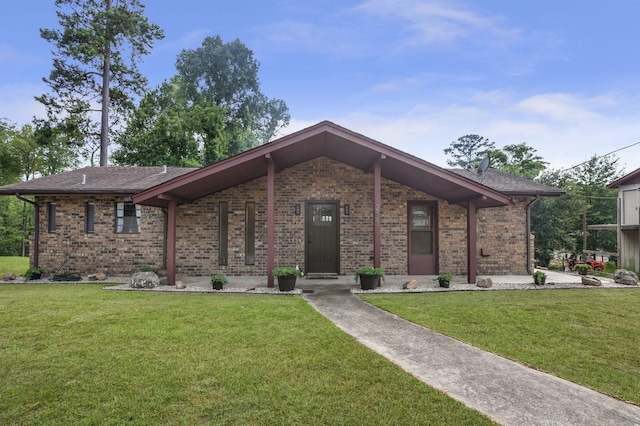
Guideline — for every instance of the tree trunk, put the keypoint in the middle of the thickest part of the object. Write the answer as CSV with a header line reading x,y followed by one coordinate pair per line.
x,y
104,125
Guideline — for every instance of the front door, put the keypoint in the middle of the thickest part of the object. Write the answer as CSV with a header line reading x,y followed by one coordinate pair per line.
x,y
322,242
422,238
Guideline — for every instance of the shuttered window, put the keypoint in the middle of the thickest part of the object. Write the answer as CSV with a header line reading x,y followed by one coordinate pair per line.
x,y
128,217
51,218
250,234
223,235
89,218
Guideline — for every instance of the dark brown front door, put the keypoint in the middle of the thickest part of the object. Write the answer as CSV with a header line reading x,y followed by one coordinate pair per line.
x,y
422,238
322,246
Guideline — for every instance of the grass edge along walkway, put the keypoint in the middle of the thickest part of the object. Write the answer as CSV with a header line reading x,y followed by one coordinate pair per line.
x,y
588,337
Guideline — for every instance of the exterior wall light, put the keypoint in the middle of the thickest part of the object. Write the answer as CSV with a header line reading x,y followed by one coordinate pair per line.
x,y
297,209
346,210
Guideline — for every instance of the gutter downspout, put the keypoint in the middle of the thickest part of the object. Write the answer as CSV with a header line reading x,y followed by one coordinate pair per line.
x,y
528,209
36,229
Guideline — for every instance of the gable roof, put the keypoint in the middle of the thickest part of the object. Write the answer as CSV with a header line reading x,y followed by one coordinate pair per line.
x,y
325,139
510,184
97,180
628,179
155,185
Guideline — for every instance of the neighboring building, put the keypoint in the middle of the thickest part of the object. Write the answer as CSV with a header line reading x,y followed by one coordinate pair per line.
x,y
324,198
628,220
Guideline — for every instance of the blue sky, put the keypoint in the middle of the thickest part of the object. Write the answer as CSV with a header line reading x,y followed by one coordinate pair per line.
x,y
562,76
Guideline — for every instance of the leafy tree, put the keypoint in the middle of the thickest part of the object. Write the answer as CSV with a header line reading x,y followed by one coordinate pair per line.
x,y
9,164
11,226
519,160
160,132
468,151
557,222
591,178
211,110
95,68
553,219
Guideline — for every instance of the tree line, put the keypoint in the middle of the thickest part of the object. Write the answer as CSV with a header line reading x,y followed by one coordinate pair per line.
x,y
557,223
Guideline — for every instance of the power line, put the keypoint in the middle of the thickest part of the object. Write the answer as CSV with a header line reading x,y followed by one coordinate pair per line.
x,y
598,157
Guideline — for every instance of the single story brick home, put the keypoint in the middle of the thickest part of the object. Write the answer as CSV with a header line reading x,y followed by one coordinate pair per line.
x,y
324,198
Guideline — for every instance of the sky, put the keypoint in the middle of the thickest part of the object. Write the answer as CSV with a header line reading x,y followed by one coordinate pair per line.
x,y
562,76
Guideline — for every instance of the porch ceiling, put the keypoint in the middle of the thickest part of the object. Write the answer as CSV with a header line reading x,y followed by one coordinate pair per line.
x,y
323,140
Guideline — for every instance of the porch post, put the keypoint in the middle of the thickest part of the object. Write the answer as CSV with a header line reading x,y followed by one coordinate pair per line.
x,y
471,242
171,242
271,191
377,210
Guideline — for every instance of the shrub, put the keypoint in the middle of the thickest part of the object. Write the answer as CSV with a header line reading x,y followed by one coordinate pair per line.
x,y
219,278
610,266
286,271
369,271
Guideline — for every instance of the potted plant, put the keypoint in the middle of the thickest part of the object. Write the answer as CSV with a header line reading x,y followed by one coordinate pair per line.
x,y
34,273
286,277
444,279
369,277
582,268
539,277
218,280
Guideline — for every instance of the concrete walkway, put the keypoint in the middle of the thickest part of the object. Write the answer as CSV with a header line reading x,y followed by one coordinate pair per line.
x,y
507,392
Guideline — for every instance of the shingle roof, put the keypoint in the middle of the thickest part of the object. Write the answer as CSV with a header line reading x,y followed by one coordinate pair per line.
x,y
97,180
132,180
510,184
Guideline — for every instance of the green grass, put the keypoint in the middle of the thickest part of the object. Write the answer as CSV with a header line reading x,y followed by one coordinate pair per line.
x,y
16,264
76,354
589,337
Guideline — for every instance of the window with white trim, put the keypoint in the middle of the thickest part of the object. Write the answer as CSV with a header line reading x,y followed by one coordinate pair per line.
x,y
128,218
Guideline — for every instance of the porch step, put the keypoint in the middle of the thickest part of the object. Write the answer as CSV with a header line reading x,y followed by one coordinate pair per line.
x,y
322,276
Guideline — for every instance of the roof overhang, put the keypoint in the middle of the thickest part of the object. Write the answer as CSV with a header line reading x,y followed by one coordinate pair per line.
x,y
325,139
632,178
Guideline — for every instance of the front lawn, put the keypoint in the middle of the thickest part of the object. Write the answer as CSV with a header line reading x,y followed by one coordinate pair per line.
x,y
16,264
77,354
589,337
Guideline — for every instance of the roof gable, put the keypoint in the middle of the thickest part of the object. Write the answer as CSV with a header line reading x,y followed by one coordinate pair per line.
x,y
329,140
628,179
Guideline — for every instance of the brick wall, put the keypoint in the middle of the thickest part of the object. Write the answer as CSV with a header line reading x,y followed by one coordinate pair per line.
x,y
104,250
501,230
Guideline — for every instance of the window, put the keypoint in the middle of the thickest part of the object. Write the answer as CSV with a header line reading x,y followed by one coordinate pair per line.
x,y
89,217
250,234
128,218
223,235
51,218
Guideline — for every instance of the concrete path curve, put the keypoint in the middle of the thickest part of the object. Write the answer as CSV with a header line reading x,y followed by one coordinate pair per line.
x,y
507,392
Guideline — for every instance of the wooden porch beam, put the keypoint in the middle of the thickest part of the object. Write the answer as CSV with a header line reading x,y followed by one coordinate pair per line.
x,y
171,242
271,192
377,210
176,198
371,168
471,242
467,199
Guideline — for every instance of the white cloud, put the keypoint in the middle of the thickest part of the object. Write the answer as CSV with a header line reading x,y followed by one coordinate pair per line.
x,y
564,107
17,102
437,22
565,129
